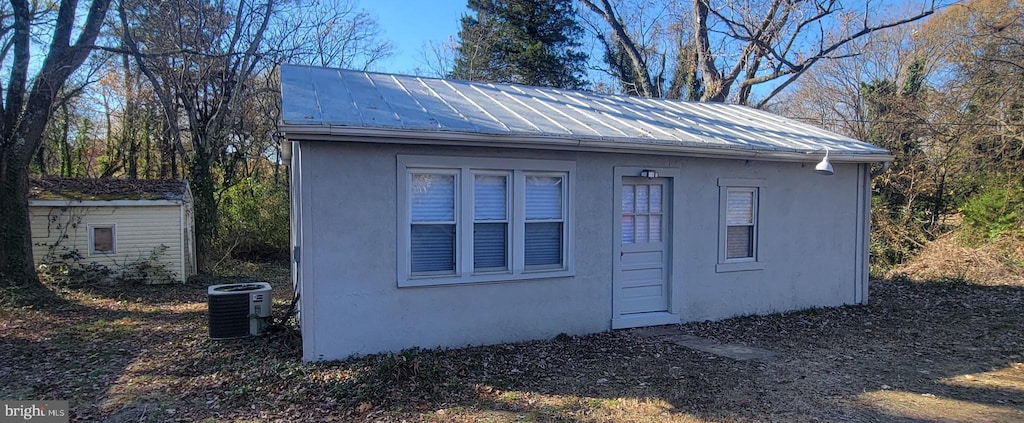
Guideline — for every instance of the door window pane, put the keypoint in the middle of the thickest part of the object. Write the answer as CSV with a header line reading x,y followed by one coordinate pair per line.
x,y
655,230
627,198
655,198
641,228
627,230
641,199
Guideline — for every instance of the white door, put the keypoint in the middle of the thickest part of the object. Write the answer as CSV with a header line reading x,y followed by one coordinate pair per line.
x,y
643,272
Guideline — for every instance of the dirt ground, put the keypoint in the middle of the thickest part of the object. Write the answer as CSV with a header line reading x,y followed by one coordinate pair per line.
x,y
950,351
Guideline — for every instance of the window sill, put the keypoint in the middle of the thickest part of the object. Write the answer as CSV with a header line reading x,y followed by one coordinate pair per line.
x,y
739,267
482,279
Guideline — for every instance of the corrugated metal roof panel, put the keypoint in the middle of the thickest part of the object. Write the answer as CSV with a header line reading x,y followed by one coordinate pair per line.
x,y
334,101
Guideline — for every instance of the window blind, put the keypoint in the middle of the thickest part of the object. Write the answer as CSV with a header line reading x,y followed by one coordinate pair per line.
x,y
543,237
433,198
740,242
543,244
490,246
543,197
432,233
433,248
739,219
489,197
740,208
490,232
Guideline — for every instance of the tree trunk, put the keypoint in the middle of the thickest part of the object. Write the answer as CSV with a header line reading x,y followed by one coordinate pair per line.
x,y
716,89
41,159
202,185
65,145
18,281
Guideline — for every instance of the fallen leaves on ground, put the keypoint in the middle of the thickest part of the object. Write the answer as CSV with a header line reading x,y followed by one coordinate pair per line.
x,y
141,353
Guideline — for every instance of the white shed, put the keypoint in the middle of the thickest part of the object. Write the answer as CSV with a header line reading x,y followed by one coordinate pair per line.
x,y
114,222
429,212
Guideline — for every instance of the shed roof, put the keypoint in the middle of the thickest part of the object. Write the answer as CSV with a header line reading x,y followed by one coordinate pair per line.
x,y
328,103
82,189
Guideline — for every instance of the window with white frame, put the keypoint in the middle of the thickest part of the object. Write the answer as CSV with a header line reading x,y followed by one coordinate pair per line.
x,y
482,220
738,243
740,221
101,239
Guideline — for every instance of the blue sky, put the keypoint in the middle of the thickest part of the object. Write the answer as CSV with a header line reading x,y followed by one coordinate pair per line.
x,y
411,24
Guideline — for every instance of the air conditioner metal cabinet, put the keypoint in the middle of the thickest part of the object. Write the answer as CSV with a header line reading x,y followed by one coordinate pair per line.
x,y
238,309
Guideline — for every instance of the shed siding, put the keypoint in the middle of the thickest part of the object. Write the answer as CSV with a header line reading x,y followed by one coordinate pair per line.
x,y
139,230
352,304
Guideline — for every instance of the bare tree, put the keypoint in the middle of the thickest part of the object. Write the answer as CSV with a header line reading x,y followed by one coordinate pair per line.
x,y
334,33
198,57
741,43
205,62
438,58
26,110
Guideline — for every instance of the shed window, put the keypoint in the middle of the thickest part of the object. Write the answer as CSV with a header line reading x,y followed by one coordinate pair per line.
x,y
483,220
738,232
101,239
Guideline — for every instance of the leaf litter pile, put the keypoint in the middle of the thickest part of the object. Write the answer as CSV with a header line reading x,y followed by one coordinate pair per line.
x,y
920,351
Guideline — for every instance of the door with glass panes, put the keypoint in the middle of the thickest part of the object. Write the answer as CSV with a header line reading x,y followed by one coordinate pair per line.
x,y
642,272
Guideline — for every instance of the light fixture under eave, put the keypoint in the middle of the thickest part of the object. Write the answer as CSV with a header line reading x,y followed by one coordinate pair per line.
x,y
824,167
649,174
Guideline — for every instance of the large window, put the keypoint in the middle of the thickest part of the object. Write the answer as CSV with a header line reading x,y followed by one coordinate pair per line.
x,y
483,220
738,243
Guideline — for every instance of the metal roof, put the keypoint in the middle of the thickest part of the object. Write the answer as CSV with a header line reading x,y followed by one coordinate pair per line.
x,y
374,107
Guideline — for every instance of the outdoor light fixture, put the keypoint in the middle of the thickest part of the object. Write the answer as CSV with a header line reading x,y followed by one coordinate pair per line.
x,y
824,167
649,174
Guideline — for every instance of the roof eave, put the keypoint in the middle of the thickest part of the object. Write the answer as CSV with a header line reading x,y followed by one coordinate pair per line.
x,y
299,132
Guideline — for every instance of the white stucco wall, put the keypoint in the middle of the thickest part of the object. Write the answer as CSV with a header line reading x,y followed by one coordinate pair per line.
x,y
351,303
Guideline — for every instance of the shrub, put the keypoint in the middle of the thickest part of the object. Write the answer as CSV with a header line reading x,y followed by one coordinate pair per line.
x,y
996,211
70,269
254,221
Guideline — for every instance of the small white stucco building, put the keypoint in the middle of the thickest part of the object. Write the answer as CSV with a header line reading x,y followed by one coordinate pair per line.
x,y
114,222
430,212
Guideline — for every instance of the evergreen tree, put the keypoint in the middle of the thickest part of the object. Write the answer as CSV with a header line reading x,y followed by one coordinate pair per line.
x,y
527,42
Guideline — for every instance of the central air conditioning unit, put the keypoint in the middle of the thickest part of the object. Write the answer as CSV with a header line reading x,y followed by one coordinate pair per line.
x,y
238,309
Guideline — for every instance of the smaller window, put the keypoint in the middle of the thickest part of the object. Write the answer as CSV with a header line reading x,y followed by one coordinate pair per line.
x,y
738,233
101,239
740,223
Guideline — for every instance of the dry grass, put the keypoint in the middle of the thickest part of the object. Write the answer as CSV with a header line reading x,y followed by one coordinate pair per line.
x,y
921,351
997,263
